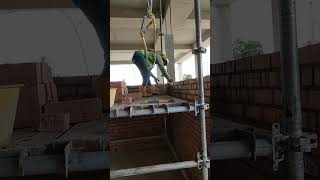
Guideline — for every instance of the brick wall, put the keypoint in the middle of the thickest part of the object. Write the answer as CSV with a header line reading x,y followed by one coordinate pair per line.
x,y
184,128
184,134
136,133
249,91
188,89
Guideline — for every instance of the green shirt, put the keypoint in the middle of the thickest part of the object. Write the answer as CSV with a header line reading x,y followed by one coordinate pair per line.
x,y
154,58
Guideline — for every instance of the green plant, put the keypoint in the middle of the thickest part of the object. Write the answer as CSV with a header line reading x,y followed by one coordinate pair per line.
x,y
187,76
243,49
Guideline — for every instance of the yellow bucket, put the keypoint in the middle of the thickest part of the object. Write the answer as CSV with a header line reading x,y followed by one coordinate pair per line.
x,y
9,96
113,92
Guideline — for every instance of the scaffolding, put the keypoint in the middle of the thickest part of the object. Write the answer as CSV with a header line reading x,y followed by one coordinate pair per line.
x,y
285,144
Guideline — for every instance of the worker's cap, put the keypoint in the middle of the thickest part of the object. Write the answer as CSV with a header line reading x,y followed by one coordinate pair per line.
x,y
165,59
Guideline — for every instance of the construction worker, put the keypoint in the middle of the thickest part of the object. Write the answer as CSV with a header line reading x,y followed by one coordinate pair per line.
x,y
145,61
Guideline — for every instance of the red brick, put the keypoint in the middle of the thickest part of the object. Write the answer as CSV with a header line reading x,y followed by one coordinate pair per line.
x,y
121,88
317,75
304,97
309,120
124,128
309,54
275,80
31,99
270,79
254,79
243,95
243,64
66,92
234,80
261,62
314,99
127,100
54,92
80,110
237,110
54,122
275,60
24,73
243,80
230,66
135,96
263,96
254,112
277,98
205,79
306,76
272,115
224,81
219,68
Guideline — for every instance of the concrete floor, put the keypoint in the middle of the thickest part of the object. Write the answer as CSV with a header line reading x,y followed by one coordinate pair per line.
x,y
122,160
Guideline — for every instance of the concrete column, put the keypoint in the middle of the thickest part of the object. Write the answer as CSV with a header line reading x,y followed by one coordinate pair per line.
x,y
169,44
221,41
159,76
180,73
276,25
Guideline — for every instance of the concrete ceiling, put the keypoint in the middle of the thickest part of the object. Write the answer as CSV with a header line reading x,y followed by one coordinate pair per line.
x,y
125,21
126,18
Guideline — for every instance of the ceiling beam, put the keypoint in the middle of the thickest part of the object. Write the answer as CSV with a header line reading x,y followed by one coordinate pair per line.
x,y
120,62
205,15
135,23
123,12
120,47
178,12
35,4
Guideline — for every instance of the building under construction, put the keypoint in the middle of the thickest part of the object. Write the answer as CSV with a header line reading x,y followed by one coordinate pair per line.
x,y
246,119
253,116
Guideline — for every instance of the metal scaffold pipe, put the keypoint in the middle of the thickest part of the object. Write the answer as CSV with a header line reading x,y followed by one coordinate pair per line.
x,y
152,169
292,168
201,104
239,149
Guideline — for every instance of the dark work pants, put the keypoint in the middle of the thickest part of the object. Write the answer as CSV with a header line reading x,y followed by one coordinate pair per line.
x,y
96,12
139,60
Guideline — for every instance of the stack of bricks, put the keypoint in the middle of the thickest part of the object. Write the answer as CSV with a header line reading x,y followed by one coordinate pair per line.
x,y
74,88
38,89
80,110
134,96
249,89
54,122
121,90
133,89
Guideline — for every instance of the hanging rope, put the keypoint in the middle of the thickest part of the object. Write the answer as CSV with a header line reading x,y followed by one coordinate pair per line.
x,y
144,28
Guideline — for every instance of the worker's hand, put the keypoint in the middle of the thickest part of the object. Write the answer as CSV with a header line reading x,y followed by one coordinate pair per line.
x,y
170,80
156,80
